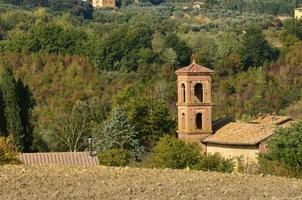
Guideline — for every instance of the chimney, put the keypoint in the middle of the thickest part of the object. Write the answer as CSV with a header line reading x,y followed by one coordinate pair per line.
x,y
90,146
260,117
274,118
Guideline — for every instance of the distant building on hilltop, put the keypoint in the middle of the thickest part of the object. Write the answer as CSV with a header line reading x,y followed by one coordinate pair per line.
x,y
103,4
298,13
230,139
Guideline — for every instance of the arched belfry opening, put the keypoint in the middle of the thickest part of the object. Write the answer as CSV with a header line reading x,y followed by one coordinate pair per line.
x,y
183,92
199,121
198,92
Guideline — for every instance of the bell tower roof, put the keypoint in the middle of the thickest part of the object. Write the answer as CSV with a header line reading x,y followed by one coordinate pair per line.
x,y
194,68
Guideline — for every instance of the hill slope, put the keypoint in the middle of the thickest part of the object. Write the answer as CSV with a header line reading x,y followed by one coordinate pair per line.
x,y
54,182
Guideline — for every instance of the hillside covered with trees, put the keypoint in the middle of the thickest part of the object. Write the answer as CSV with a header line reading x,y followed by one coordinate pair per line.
x,y
69,72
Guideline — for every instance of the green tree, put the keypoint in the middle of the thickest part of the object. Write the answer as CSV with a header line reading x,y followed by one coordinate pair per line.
x,y
117,132
123,47
286,147
293,27
170,152
3,128
12,108
162,122
182,50
149,115
255,49
26,104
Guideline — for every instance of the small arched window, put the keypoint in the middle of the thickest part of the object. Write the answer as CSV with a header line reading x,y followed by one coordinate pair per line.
x,y
183,121
198,92
183,92
199,121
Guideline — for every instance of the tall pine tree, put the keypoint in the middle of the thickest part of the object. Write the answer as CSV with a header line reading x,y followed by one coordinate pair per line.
x,y
12,108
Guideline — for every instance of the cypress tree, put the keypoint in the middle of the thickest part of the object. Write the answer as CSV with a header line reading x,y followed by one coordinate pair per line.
x,y
26,104
3,132
12,108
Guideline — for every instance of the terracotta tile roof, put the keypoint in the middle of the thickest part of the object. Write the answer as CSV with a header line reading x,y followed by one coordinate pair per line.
x,y
195,68
271,119
239,133
61,158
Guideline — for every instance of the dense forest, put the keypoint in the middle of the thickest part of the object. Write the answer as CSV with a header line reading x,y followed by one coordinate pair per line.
x,y
69,72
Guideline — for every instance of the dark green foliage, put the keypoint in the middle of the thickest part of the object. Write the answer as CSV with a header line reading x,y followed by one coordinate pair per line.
x,y
3,128
274,7
293,27
150,116
17,104
124,47
255,49
286,147
170,152
12,108
114,157
39,144
75,7
277,168
26,104
215,163
182,50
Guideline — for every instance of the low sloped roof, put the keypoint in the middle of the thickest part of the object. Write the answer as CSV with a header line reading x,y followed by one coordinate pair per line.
x,y
272,120
240,133
60,158
194,68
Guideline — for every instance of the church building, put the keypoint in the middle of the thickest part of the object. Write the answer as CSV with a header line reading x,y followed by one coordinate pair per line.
x,y
230,139
194,102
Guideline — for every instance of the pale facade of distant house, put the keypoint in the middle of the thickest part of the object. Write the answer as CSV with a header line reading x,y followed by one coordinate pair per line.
x,y
230,139
103,3
298,13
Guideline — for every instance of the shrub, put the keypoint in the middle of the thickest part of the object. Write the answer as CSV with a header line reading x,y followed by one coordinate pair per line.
x,y
8,153
169,152
114,157
276,168
215,162
285,148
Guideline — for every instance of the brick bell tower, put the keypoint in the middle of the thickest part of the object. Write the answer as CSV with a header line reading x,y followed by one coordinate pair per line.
x,y
194,102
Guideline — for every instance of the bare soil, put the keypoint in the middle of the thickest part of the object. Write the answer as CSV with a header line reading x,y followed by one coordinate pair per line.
x,y
57,182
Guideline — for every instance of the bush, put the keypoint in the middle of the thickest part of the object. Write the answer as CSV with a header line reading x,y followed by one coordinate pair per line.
x,y
285,148
8,153
114,157
215,162
276,168
169,152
